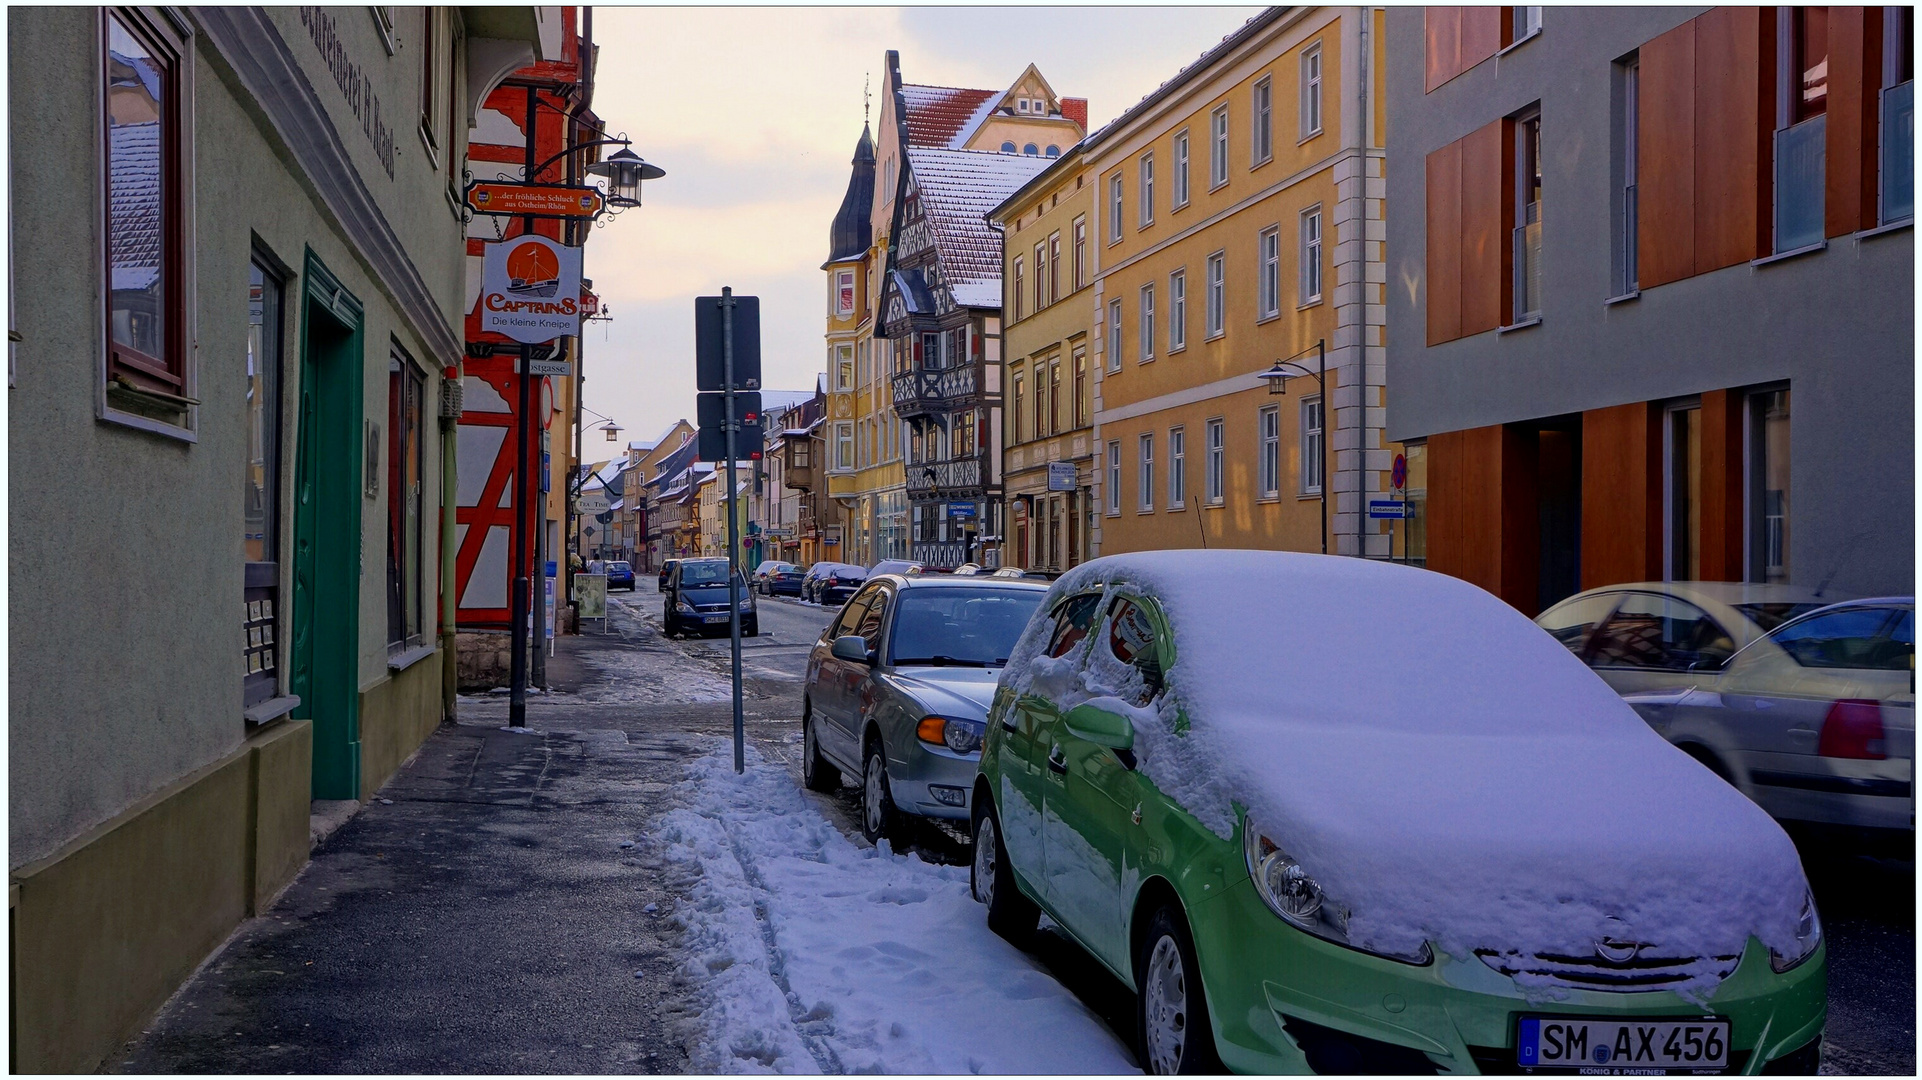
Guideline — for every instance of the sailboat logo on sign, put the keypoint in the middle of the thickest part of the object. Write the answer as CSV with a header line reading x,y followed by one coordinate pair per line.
x,y
533,270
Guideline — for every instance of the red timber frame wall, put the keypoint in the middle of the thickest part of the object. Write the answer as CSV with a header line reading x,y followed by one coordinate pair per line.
x,y
485,516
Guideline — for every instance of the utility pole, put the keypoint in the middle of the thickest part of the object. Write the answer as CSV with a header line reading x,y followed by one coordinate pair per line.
x,y
518,610
731,426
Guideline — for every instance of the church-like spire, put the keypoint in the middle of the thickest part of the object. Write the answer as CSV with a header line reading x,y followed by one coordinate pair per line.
x,y
852,230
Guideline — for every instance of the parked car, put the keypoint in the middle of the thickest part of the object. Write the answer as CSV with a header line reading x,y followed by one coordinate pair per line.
x,y
967,569
897,566
1649,635
620,575
695,600
667,570
1029,575
1009,572
780,578
898,688
831,582
1475,858
1815,721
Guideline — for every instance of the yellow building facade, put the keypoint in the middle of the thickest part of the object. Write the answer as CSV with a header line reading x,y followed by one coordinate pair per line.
x,y
1236,222
1048,445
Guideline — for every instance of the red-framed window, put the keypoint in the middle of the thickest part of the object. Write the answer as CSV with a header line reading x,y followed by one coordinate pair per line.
x,y
144,208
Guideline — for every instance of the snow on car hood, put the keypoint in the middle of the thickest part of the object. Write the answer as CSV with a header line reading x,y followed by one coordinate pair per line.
x,y
960,692
1445,769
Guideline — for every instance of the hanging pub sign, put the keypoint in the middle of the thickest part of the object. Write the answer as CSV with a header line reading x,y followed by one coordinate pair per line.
x,y
531,289
534,200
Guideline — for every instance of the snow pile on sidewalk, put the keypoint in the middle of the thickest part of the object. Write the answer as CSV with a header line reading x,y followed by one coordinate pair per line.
x,y
818,955
1444,769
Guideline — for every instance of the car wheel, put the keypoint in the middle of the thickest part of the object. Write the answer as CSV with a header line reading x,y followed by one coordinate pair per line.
x,y
879,819
1010,914
816,773
1172,1032
752,629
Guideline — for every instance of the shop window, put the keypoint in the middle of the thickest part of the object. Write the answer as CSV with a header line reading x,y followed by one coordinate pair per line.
x,y
1682,459
1768,486
406,390
260,514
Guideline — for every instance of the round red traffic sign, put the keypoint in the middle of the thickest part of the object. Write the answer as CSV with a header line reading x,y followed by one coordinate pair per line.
x,y
1400,472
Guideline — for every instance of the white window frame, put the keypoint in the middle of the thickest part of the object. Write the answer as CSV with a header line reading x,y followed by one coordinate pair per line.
x,y
1147,324
1217,436
1261,132
1268,461
1145,471
1145,198
1308,266
843,445
1313,423
844,282
1311,91
1217,305
1179,177
1177,468
1218,147
1269,254
1178,310
1114,477
1020,281
844,375
1114,334
1115,194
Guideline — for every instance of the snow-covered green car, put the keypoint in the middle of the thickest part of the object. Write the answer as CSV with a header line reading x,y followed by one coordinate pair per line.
x,y
1340,816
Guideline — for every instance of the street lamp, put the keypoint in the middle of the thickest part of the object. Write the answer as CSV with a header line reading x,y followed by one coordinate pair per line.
x,y
625,170
1277,378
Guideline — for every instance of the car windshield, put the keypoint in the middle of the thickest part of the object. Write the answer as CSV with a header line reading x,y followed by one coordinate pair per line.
x,y
964,627
703,573
1770,616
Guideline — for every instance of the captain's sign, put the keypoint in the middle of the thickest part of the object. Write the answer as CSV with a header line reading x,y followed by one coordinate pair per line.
x,y
531,289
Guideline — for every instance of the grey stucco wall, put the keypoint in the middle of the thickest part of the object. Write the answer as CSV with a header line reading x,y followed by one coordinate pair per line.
x,y
1838,324
125,547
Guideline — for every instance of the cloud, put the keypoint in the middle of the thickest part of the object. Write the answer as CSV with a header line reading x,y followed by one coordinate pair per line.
x,y
754,113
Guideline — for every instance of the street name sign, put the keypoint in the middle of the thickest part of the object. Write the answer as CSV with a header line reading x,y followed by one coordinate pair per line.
x,y
1387,508
708,359
509,199
531,289
1061,476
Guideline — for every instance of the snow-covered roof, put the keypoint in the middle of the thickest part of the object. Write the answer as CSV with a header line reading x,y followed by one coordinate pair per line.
x,y
1464,780
957,189
939,115
772,400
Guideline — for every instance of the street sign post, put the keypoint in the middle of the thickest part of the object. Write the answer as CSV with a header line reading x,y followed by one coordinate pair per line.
x,y
727,358
1387,508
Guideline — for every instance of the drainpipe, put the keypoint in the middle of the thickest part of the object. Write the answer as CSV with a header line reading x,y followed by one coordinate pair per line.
x,y
449,503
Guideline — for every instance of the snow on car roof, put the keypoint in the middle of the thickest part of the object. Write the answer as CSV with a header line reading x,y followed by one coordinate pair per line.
x,y
1444,768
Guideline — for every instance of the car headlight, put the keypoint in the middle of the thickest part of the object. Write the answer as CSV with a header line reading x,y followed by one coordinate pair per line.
x,y
683,607
960,736
747,603
1292,893
1808,937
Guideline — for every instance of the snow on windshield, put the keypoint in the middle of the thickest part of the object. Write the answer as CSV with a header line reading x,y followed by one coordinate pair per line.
x,y
1446,770
814,954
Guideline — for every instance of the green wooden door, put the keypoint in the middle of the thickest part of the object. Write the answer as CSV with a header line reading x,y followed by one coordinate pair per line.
x,y
327,530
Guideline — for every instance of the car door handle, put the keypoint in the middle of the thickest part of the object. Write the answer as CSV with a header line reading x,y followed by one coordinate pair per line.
x,y
1057,762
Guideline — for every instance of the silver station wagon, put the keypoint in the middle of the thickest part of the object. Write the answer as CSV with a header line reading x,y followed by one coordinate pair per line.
x,y
898,688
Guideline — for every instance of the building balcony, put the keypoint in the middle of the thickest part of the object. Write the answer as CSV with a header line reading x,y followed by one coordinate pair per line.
x,y
798,478
955,480
925,392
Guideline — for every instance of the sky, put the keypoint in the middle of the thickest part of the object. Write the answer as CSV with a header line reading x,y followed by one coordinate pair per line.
x,y
754,114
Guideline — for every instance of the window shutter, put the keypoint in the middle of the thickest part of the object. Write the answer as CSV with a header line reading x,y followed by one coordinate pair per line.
x,y
1444,244
1665,173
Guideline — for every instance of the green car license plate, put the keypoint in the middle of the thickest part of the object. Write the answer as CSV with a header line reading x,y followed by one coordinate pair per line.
x,y
1623,1047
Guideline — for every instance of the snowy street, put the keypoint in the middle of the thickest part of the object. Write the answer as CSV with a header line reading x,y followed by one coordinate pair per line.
x,y
603,894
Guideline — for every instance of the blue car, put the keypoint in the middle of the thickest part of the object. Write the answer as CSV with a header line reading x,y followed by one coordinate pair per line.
x,y
620,575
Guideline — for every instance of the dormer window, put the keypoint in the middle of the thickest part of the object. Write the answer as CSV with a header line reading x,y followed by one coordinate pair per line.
x,y
1031,150
1007,148
1054,151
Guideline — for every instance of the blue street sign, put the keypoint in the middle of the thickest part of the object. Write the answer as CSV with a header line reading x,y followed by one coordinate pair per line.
x,y
961,510
1387,508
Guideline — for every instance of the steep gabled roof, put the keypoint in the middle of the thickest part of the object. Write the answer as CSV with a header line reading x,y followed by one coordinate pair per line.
x,y
938,115
957,189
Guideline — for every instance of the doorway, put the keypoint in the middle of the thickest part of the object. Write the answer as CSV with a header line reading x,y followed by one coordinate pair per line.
x,y
1558,487
327,498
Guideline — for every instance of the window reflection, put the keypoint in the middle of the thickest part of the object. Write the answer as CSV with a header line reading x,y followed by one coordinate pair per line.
x,y
137,196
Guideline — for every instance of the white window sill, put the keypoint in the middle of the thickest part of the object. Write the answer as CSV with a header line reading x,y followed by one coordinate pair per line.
x,y
1216,336
1217,186
1271,497
1268,318
1532,320
1146,360
1883,230
1307,495
1520,41
1784,256
1147,510
1216,504
1264,161
1178,207
1632,294
1178,349
272,709
1315,302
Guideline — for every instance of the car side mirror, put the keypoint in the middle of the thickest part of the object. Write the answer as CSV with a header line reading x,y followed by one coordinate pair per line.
x,y
1708,667
1099,726
852,647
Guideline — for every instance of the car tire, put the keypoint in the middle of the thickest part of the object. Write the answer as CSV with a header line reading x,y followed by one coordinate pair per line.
x,y
880,820
1172,1032
816,773
1010,914
752,629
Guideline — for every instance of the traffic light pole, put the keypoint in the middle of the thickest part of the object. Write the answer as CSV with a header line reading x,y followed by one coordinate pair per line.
x,y
732,425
